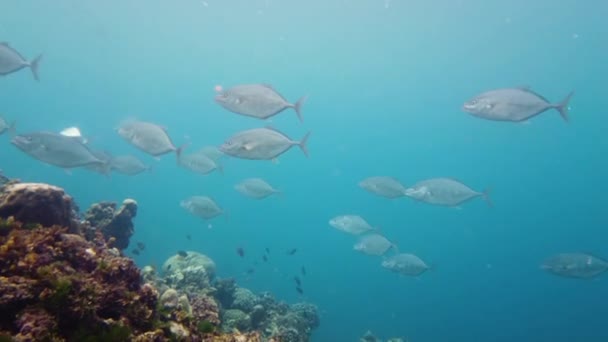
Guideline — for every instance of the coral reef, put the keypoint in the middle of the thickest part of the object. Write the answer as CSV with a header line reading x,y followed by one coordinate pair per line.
x,y
113,223
65,280
36,203
191,273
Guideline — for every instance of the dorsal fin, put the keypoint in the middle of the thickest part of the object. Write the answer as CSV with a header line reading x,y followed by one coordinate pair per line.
x,y
267,85
527,89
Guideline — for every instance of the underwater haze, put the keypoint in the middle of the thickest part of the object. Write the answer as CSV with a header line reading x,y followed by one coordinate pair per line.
x,y
386,81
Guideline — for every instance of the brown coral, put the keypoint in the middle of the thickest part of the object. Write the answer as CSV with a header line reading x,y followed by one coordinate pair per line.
x,y
37,203
113,223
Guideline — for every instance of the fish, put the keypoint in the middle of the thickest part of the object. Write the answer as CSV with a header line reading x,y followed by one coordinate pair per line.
x,y
56,149
251,270
299,289
292,251
513,104
189,237
260,101
212,152
74,132
303,271
405,264
104,168
265,258
267,250
12,61
240,251
445,192
352,224
297,280
198,162
148,137
256,188
575,265
7,127
182,254
128,165
373,244
384,186
141,245
135,251
261,144
202,206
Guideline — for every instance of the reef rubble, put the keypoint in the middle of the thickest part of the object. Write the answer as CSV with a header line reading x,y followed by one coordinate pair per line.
x,y
65,278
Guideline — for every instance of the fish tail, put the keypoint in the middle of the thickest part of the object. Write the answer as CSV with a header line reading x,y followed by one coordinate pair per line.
x,y
179,150
486,197
34,67
12,129
303,145
298,107
562,107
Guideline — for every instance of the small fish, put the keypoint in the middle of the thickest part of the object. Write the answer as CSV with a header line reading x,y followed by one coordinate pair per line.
x,y
135,251
168,267
374,244
251,270
298,281
267,250
256,100
189,237
256,188
406,264
303,270
148,137
446,192
240,251
292,251
12,61
352,224
299,289
141,245
261,144
513,104
182,254
265,258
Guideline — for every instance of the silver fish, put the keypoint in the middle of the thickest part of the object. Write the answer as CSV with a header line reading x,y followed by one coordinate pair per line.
x,y
6,127
575,265
211,152
384,186
104,156
202,206
256,188
148,137
56,149
198,162
261,144
373,244
128,165
513,104
256,100
406,264
12,61
445,191
352,224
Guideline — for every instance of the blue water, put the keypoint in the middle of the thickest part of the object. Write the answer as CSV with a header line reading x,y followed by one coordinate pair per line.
x,y
385,88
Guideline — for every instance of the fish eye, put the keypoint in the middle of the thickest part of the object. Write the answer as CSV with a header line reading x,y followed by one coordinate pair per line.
x,y
473,102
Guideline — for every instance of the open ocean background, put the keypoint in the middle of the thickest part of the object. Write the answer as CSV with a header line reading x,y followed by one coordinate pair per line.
x,y
386,81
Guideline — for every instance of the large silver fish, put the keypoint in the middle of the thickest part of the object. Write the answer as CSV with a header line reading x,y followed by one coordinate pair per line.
x,y
444,191
513,104
56,149
405,264
256,100
384,186
202,206
128,165
373,244
199,162
12,61
148,137
575,265
256,188
352,224
261,144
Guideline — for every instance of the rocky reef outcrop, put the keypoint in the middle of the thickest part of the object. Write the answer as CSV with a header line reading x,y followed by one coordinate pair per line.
x,y
65,279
